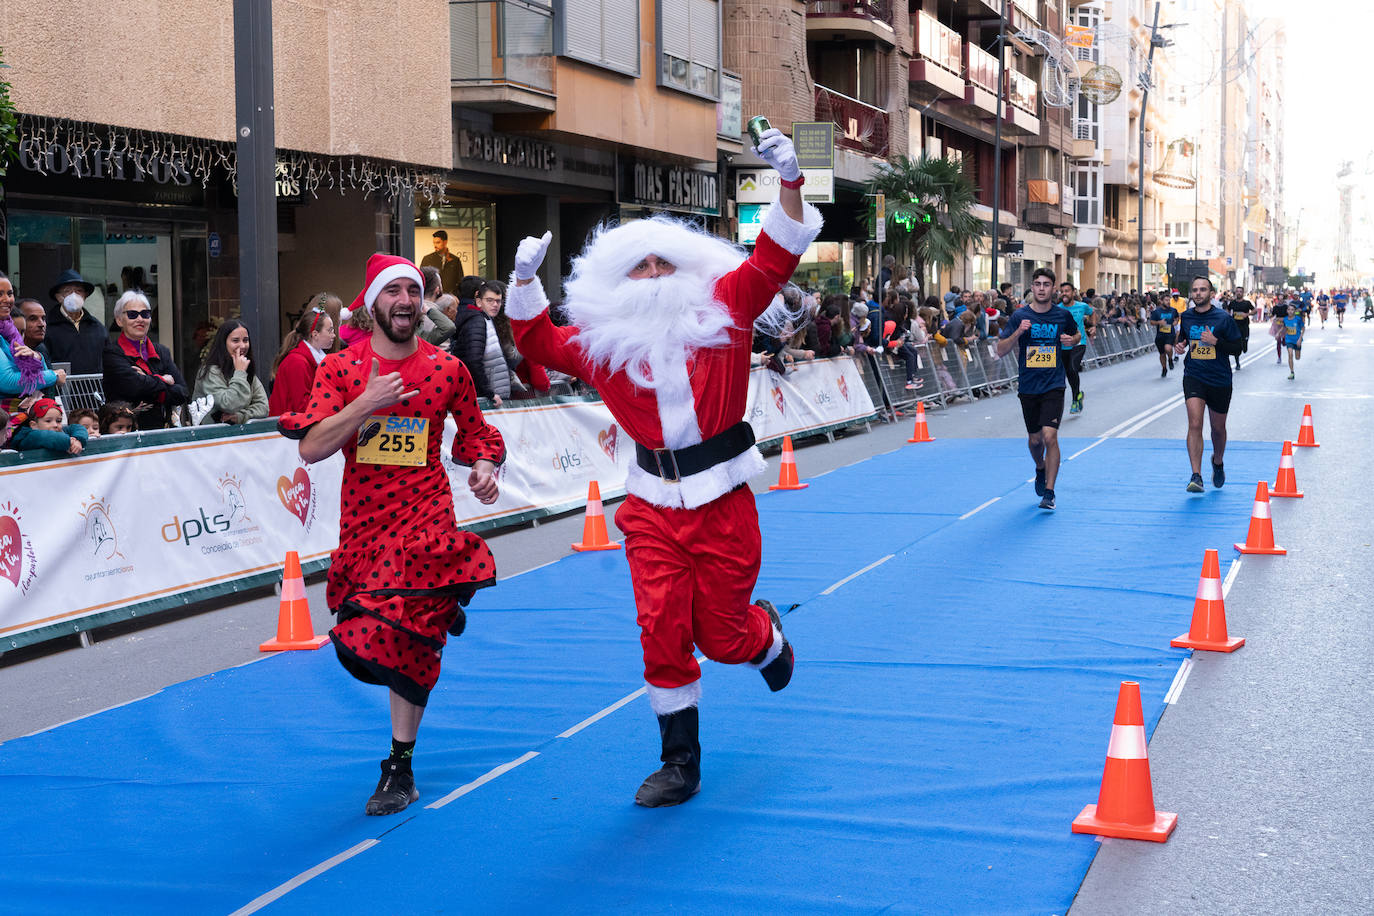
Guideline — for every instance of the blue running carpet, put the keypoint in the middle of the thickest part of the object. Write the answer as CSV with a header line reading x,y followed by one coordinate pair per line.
x,y
948,718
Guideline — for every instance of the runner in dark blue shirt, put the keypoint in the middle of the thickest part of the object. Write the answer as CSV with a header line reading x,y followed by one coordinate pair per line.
x,y
1165,321
1037,332
1209,337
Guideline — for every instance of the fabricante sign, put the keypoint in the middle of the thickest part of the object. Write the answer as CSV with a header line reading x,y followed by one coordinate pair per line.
x,y
520,152
670,187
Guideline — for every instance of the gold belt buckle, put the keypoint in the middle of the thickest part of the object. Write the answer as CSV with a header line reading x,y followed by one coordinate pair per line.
x,y
663,471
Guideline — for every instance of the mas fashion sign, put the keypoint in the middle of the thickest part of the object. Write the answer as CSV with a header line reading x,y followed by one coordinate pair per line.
x,y
128,532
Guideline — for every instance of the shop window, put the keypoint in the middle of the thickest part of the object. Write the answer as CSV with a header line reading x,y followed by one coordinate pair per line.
x,y
469,226
689,46
600,32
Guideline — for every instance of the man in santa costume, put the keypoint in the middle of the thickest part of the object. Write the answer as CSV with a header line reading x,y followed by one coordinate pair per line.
x,y
403,570
661,319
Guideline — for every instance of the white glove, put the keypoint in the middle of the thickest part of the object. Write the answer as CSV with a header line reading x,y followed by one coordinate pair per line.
x,y
530,255
776,149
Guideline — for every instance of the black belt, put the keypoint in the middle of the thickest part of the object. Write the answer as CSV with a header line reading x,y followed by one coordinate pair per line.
x,y
674,464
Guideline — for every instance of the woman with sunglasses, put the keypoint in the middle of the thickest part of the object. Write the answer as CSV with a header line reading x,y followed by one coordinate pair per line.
x,y
140,371
301,352
229,378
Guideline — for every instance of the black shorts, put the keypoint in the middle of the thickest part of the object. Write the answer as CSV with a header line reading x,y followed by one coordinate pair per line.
x,y
1217,398
1041,410
1164,344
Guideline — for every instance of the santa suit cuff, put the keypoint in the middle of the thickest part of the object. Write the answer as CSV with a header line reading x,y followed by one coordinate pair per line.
x,y
788,233
667,700
525,302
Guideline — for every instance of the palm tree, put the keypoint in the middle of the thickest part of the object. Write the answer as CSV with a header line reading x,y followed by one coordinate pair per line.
x,y
930,217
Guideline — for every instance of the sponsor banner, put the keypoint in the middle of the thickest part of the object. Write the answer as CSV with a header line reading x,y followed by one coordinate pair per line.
x,y
120,530
812,395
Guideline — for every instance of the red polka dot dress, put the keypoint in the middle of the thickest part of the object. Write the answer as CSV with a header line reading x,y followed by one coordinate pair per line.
x,y
403,570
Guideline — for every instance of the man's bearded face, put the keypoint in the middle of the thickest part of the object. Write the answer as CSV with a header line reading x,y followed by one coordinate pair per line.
x,y
397,310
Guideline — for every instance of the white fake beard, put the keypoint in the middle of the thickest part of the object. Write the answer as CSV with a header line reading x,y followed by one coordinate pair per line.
x,y
658,317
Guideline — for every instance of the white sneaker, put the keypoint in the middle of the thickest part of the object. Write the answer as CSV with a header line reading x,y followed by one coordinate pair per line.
x,y
200,408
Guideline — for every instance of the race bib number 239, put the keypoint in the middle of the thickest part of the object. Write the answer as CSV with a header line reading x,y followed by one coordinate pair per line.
x,y
399,441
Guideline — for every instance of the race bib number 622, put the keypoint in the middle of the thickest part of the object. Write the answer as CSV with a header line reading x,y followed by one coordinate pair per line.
x,y
399,441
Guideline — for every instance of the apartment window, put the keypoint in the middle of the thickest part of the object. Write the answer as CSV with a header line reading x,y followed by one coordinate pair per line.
x,y
600,32
689,46
1087,206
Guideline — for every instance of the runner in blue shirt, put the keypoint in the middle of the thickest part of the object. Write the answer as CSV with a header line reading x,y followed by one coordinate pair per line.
x,y
1210,338
1342,300
1294,327
1165,320
1038,332
1073,357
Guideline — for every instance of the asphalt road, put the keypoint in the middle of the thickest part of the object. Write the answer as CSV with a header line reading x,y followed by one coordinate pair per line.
x,y
1265,756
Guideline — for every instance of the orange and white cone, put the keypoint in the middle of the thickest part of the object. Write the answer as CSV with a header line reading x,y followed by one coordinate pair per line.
x,y
1307,433
1208,629
1126,802
1260,538
594,533
294,630
787,473
921,433
1287,484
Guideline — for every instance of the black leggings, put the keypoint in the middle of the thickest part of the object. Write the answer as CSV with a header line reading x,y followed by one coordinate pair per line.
x,y
908,354
1073,366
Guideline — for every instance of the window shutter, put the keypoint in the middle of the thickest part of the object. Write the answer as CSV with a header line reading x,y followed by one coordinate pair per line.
x,y
582,29
705,30
620,33
676,28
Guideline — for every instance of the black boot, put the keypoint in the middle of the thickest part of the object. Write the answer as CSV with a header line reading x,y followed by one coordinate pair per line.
x,y
395,790
777,673
680,776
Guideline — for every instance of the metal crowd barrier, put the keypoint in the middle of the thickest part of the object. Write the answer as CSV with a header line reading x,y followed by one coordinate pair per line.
x,y
946,373
83,392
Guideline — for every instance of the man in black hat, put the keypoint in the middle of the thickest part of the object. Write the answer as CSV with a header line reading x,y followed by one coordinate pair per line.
x,y
75,335
449,265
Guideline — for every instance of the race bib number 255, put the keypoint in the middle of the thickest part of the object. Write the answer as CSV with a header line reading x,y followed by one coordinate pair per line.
x,y
399,441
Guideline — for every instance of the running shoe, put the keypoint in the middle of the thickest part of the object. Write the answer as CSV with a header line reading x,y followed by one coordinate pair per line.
x,y
1195,484
1163,373
1079,401
395,791
1048,501
910,385
1040,488
1291,376
1218,475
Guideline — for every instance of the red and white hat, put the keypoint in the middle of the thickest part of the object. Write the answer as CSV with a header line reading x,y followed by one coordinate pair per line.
x,y
381,270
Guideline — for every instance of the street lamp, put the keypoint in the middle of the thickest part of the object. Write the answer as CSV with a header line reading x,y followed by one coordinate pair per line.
x,y
1146,78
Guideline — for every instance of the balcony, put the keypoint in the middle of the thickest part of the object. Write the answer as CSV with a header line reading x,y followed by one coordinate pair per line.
x,y
1023,96
939,59
980,88
1043,207
852,19
501,54
860,126
1084,138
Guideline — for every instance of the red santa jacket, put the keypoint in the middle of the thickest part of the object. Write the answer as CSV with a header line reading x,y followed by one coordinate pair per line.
x,y
293,381
697,396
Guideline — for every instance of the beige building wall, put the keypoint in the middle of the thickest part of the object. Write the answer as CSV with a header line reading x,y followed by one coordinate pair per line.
x,y
352,77
765,43
340,233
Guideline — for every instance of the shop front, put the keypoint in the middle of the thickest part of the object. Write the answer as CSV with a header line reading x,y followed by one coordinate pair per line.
x,y
125,216
648,186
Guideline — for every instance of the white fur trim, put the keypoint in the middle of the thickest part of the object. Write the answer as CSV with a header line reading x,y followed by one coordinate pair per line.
x,y
667,700
773,651
677,412
696,489
614,250
792,235
525,302
386,275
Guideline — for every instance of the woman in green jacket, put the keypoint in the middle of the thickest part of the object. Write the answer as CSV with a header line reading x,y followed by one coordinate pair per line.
x,y
228,377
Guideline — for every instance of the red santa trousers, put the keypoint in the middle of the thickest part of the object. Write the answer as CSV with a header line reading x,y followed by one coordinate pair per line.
x,y
693,572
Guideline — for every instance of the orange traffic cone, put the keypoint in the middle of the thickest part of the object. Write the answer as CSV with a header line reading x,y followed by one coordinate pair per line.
x,y
1307,433
1287,484
1126,802
594,534
1260,538
921,433
787,474
294,630
1208,630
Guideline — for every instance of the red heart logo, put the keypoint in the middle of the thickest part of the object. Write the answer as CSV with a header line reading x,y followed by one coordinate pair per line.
x,y
295,494
777,399
607,440
11,549
844,387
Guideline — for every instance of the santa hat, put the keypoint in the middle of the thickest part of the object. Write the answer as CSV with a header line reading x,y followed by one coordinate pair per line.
x,y
381,270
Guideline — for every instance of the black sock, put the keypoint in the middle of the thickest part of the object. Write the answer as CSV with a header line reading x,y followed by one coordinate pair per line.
x,y
401,751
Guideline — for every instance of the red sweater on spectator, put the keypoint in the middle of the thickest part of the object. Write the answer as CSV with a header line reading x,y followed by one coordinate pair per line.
x,y
293,381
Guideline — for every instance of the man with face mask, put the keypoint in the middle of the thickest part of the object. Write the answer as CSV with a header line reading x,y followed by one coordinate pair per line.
x,y
660,319
74,335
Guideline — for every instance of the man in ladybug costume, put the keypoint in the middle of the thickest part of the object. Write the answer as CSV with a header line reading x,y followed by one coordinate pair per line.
x,y
660,323
403,570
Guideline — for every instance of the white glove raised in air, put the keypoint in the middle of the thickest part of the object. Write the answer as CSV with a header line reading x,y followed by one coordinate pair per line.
x,y
530,255
776,149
